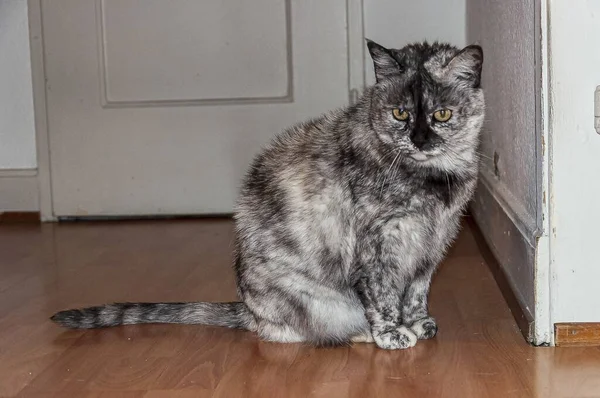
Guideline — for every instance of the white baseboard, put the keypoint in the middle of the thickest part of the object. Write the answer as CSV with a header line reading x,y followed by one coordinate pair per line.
x,y
19,190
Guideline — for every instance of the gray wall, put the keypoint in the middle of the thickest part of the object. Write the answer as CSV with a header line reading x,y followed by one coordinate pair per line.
x,y
17,134
507,206
18,162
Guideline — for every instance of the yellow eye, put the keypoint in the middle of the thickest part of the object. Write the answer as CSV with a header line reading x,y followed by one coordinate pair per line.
x,y
443,115
400,114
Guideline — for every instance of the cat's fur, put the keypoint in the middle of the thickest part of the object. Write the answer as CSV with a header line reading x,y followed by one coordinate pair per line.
x,y
343,219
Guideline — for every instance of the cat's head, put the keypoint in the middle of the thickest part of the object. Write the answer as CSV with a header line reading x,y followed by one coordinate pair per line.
x,y
427,104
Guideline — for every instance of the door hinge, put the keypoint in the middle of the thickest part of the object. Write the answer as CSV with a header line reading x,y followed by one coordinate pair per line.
x,y
597,109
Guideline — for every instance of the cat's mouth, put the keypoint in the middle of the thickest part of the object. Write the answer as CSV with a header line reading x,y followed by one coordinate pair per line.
x,y
419,156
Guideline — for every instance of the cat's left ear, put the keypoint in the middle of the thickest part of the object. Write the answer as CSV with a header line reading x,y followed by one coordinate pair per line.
x,y
466,66
383,61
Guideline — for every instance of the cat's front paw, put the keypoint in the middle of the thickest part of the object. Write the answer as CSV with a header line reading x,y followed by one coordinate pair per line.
x,y
425,328
395,339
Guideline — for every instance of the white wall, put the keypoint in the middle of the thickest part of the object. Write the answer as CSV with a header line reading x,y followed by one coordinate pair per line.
x,y
575,151
17,134
395,23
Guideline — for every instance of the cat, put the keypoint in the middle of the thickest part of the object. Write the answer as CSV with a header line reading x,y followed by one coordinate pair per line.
x,y
342,220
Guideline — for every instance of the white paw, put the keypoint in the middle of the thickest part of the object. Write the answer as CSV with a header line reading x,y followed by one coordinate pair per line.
x,y
425,328
395,339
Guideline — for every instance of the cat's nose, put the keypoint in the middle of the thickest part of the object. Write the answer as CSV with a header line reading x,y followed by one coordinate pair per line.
x,y
420,141
424,139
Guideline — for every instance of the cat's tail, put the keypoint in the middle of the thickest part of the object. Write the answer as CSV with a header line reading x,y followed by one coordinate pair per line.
x,y
231,315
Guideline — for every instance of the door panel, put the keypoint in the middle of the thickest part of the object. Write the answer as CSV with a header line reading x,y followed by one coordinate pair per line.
x,y
198,51
157,107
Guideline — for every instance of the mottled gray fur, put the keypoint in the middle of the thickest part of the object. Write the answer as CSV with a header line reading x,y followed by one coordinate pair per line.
x,y
343,219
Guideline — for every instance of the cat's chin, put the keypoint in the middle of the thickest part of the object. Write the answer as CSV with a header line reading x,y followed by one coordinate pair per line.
x,y
424,160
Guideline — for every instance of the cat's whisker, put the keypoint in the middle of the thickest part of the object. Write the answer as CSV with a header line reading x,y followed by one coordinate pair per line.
x,y
387,173
395,172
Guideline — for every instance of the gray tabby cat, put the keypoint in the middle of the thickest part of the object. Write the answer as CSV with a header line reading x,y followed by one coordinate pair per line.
x,y
343,219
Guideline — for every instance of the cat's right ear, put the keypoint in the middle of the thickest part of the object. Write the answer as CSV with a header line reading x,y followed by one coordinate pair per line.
x,y
383,61
465,67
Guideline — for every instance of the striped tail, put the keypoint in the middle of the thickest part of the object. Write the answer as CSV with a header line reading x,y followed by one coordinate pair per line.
x,y
231,315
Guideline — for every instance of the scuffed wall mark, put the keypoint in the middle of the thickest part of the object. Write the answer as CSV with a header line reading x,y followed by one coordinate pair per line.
x,y
543,143
496,160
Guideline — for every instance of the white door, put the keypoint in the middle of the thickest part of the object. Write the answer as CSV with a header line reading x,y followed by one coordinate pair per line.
x,y
157,107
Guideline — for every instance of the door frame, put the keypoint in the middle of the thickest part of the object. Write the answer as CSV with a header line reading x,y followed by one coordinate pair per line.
x,y
356,82
542,332
38,77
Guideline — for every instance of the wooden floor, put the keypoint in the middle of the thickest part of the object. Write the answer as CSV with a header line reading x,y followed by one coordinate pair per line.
x,y
478,352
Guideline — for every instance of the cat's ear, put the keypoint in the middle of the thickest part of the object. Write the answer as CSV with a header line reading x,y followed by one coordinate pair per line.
x,y
383,61
466,66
